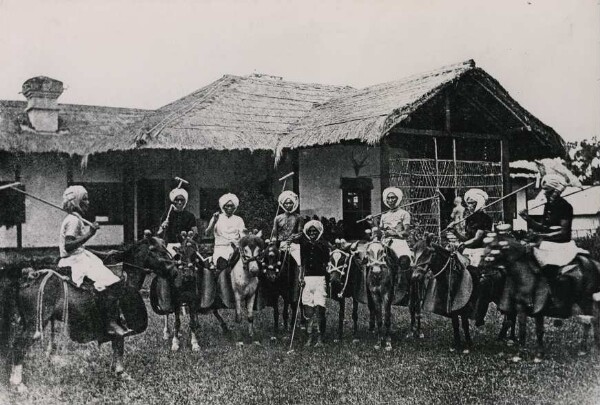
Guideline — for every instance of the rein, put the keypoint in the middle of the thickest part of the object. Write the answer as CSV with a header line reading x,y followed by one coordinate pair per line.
x,y
39,319
443,268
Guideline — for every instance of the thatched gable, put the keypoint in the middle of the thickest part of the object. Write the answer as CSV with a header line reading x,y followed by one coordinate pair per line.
x,y
82,129
249,112
368,115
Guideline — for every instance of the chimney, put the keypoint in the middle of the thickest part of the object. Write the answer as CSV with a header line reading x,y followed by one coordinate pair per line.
x,y
42,108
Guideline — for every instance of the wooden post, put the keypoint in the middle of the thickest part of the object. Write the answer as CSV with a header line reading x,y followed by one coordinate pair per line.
x,y
19,225
507,212
384,166
454,166
437,187
295,157
129,203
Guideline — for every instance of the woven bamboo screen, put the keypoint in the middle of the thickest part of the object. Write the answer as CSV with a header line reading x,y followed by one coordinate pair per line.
x,y
420,178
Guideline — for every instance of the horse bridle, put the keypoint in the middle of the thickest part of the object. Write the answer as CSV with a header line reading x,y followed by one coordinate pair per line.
x,y
340,269
375,262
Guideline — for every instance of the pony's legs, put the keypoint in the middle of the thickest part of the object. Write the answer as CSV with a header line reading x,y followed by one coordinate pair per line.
x,y
51,349
217,315
341,316
596,324
16,378
276,318
378,318
176,327
508,323
166,333
539,332
465,325
194,330
118,346
286,316
238,307
457,345
522,319
372,314
320,312
355,319
250,308
388,321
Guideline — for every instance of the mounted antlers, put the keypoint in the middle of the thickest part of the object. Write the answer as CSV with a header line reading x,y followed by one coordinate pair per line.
x,y
358,164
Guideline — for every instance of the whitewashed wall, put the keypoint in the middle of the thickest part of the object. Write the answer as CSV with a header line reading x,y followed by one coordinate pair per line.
x,y
321,169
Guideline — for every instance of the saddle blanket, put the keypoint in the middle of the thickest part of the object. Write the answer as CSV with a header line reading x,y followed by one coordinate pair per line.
x,y
474,255
557,254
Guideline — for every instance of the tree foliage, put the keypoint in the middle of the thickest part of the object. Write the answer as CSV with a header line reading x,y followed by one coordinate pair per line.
x,y
584,160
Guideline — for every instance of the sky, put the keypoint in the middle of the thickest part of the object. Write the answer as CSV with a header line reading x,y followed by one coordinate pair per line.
x,y
145,54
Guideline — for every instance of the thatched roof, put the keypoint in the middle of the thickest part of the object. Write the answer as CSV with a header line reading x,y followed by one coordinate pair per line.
x,y
368,115
249,112
83,129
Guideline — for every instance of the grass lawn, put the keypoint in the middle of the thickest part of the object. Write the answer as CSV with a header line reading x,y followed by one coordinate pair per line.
x,y
414,372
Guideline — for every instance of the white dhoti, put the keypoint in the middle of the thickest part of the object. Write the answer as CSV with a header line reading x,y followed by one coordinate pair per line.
x,y
224,251
171,248
557,254
474,255
293,250
314,293
400,248
86,264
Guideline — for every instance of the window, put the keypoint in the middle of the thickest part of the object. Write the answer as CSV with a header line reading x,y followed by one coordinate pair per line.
x,y
106,202
13,206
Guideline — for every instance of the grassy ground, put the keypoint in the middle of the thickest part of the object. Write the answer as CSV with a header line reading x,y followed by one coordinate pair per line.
x,y
414,372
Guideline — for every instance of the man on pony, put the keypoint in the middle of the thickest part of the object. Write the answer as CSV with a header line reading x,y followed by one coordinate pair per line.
x,y
287,227
315,256
178,220
228,229
477,225
73,235
395,225
556,248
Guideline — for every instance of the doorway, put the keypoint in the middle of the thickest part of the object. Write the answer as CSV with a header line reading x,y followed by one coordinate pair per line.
x,y
151,204
356,204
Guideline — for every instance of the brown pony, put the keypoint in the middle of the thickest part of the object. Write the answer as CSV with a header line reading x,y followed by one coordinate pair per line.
x,y
530,292
47,296
185,279
280,278
347,280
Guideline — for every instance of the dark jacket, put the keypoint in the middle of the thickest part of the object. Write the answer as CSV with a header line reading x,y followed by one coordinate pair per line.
x,y
315,256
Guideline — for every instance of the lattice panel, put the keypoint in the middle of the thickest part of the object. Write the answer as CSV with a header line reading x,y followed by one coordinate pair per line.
x,y
420,178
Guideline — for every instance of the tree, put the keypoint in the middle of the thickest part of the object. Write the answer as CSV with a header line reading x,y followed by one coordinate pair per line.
x,y
584,160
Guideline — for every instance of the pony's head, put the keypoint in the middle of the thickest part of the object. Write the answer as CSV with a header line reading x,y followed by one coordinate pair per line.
x,y
252,252
148,255
423,255
273,261
377,258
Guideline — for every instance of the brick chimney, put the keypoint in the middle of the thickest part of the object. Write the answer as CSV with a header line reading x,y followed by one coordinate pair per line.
x,y
42,107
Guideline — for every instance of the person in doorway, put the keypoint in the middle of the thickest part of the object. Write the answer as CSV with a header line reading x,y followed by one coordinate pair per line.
x,y
227,229
315,256
177,220
458,214
73,235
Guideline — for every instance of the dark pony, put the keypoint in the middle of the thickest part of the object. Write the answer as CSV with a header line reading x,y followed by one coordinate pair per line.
x,y
48,295
186,280
451,291
347,280
280,278
530,293
381,279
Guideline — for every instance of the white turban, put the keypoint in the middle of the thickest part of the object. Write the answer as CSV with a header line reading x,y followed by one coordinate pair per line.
x,y
555,182
479,196
72,197
313,224
395,191
177,192
288,195
229,197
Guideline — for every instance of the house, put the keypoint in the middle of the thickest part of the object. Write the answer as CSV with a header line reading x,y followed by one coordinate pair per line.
x,y
449,129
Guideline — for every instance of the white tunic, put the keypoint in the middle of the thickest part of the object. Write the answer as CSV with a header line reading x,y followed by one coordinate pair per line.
x,y
227,230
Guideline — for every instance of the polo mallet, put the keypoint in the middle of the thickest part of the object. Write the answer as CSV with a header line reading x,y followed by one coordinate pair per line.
x,y
291,350
181,182
438,195
489,205
13,187
563,196
284,179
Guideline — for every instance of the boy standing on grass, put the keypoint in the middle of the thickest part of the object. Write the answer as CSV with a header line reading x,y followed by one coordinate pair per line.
x,y
315,256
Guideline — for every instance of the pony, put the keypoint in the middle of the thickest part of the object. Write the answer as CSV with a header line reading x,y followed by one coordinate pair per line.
x,y
347,280
186,280
280,278
247,261
462,292
532,294
381,279
48,295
